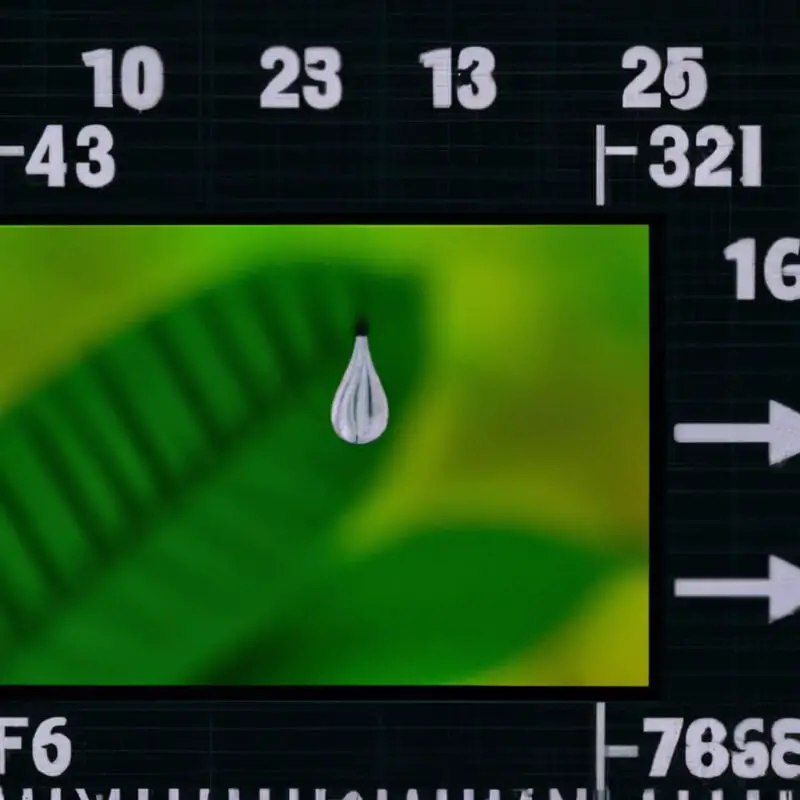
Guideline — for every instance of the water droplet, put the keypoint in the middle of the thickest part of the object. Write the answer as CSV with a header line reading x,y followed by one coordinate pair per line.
x,y
360,411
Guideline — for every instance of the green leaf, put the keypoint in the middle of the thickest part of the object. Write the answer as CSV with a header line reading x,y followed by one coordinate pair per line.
x,y
614,261
433,608
162,502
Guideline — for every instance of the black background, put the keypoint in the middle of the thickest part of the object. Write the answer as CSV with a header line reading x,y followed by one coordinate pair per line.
x,y
208,149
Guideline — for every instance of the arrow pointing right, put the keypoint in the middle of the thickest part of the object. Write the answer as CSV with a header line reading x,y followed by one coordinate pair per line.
x,y
781,588
781,433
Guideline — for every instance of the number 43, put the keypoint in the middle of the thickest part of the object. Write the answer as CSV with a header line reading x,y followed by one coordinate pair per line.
x,y
48,159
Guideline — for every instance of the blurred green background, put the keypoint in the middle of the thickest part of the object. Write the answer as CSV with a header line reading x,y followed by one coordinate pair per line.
x,y
176,509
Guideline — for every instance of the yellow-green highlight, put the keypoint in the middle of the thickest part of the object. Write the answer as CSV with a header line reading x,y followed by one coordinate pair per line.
x,y
533,410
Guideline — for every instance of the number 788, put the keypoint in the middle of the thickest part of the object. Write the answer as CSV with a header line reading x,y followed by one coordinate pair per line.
x,y
708,756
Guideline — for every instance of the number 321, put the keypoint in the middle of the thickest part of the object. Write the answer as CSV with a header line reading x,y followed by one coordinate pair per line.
x,y
676,168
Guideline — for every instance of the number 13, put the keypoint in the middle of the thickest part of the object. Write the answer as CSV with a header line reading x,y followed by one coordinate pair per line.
x,y
479,93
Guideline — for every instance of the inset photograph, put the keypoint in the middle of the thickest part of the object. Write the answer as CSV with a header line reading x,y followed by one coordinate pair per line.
x,y
325,455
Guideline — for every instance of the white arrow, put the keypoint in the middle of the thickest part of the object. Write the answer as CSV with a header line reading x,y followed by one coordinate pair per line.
x,y
781,588
781,433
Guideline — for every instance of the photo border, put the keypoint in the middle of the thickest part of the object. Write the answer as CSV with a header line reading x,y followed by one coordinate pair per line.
x,y
425,694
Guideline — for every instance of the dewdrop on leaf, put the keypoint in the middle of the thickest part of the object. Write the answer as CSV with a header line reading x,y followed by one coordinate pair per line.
x,y
360,411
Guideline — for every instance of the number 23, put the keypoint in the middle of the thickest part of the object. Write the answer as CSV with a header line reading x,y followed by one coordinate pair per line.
x,y
320,64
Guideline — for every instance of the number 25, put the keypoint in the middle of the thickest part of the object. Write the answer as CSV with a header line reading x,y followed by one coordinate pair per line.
x,y
685,80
